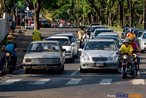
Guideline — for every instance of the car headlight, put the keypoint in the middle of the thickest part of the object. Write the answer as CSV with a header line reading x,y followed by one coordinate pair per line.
x,y
85,57
27,60
125,56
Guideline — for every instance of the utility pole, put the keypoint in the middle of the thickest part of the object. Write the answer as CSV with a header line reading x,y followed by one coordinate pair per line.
x,y
144,13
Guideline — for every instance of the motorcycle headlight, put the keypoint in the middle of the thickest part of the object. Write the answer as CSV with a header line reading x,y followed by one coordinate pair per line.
x,y
7,54
125,56
134,55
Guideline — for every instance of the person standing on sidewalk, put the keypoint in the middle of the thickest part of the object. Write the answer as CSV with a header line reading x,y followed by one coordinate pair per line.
x,y
36,35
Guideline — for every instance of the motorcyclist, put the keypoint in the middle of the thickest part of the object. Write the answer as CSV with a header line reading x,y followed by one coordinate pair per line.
x,y
11,46
127,48
36,35
80,35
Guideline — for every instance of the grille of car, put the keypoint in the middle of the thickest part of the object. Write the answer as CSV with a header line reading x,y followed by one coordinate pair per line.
x,y
47,60
99,58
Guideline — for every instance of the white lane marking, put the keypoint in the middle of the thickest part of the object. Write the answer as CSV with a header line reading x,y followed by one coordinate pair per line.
x,y
138,82
105,82
73,74
10,81
73,81
41,82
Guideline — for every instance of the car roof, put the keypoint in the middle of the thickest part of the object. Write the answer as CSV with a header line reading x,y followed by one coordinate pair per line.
x,y
100,29
69,34
106,40
64,37
108,33
44,42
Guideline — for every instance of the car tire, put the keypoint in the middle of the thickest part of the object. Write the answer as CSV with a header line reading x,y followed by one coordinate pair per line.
x,y
72,59
61,70
27,71
83,70
142,51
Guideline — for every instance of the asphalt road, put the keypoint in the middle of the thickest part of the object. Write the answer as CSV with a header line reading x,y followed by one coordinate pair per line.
x,y
72,83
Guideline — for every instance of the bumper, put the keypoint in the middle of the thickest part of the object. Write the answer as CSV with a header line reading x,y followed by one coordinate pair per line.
x,y
108,65
44,66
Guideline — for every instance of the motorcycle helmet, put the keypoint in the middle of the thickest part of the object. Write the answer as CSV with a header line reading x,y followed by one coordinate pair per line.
x,y
10,38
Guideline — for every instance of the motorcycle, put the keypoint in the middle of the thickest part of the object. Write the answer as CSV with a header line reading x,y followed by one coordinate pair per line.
x,y
8,65
128,66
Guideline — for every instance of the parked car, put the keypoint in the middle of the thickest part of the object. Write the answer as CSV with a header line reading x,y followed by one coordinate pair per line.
x,y
99,54
73,41
98,31
66,44
44,55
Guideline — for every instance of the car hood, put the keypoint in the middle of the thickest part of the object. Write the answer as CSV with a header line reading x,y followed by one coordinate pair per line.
x,y
100,53
67,48
43,55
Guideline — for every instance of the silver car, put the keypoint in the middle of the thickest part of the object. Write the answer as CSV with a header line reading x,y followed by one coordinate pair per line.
x,y
99,54
98,31
44,55
142,41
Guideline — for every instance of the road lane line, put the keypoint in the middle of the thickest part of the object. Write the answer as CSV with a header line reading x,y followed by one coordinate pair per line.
x,y
10,81
73,81
138,82
105,82
73,74
41,82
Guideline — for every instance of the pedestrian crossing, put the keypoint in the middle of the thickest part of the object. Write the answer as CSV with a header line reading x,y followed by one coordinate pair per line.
x,y
74,81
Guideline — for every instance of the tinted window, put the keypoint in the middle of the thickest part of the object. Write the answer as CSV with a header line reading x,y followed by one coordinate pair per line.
x,y
62,41
100,31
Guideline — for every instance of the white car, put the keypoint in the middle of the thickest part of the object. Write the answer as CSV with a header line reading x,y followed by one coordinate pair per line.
x,y
99,54
66,44
44,55
73,40
142,41
98,31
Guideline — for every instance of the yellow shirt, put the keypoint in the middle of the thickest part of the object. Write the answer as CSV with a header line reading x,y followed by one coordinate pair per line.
x,y
36,35
124,49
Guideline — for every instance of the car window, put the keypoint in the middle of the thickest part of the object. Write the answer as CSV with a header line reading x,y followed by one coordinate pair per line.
x,y
43,47
94,45
144,36
100,31
62,41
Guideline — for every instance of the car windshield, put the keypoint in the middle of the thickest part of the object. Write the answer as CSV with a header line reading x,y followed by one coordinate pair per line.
x,y
44,47
93,28
144,36
71,38
63,42
100,31
100,45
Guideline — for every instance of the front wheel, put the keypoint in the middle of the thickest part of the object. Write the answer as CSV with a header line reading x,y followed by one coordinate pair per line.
x,y
5,69
124,73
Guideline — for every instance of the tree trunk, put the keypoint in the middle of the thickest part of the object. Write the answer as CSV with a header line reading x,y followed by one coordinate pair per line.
x,y
36,14
144,1
121,12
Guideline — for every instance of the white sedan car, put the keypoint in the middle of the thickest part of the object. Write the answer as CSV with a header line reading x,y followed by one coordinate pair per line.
x,y
73,41
99,54
66,44
142,41
44,55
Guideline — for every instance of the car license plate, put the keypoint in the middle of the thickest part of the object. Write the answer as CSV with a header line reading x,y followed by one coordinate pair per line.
x,y
99,65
